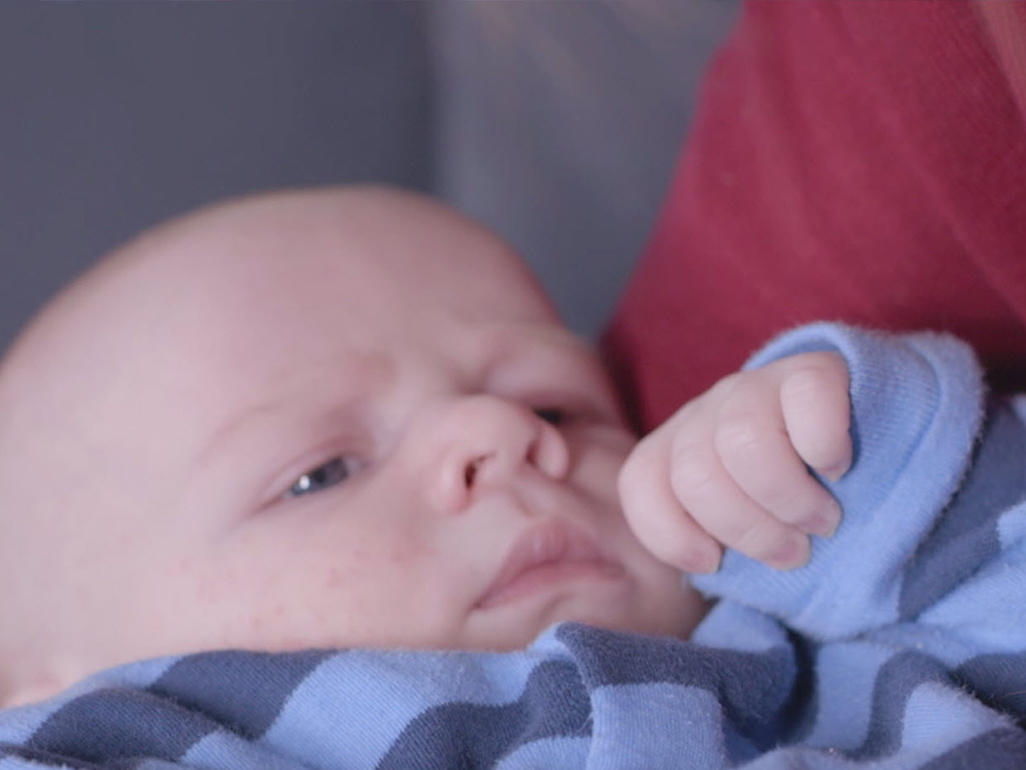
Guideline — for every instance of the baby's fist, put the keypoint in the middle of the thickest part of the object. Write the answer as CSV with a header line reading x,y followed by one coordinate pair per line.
x,y
730,468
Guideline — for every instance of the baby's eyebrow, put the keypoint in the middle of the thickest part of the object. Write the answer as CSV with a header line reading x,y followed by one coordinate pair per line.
x,y
545,340
342,386
223,432
556,350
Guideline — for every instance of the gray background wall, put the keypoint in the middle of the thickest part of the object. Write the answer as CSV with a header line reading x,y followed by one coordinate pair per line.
x,y
554,122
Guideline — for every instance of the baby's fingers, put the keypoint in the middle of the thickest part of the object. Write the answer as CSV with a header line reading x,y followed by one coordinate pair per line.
x,y
707,490
817,411
654,515
754,447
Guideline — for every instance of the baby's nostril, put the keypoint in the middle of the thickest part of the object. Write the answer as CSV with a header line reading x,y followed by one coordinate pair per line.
x,y
470,472
532,453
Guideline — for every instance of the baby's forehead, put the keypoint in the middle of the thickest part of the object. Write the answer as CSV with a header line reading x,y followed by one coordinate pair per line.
x,y
275,260
370,241
272,261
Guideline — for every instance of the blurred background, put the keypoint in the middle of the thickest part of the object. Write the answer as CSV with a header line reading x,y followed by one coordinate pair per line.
x,y
556,123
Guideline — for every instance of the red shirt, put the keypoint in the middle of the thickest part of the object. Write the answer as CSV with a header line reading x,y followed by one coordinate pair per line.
x,y
862,161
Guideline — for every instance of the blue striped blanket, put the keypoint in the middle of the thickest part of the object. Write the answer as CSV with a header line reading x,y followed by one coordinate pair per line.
x,y
902,644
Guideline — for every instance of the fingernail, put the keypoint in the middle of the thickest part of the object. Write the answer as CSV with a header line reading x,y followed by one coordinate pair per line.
x,y
701,562
834,472
824,523
791,554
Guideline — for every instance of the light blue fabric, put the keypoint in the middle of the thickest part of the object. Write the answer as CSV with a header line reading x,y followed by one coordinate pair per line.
x,y
902,644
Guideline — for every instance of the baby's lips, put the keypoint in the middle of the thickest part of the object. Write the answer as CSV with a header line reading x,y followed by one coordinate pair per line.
x,y
548,544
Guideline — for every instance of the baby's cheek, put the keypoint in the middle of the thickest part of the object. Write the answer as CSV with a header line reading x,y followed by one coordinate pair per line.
x,y
267,619
597,472
370,570
404,553
206,589
335,577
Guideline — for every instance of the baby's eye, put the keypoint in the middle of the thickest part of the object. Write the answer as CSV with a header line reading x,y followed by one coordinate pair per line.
x,y
334,471
551,414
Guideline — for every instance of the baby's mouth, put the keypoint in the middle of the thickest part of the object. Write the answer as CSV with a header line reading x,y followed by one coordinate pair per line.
x,y
547,554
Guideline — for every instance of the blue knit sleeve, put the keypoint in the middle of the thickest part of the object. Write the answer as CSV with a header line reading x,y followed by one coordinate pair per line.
x,y
917,410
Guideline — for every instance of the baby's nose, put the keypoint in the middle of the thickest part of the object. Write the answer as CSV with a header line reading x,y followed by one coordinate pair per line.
x,y
487,442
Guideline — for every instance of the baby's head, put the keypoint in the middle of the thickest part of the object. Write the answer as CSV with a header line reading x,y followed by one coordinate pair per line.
x,y
317,418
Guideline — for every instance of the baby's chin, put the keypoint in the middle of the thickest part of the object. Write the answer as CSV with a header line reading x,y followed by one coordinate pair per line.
x,y
665,627
673,623
669,614
668,608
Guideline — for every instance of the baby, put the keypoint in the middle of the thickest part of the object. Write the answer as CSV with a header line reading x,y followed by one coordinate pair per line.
x,y
350,417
